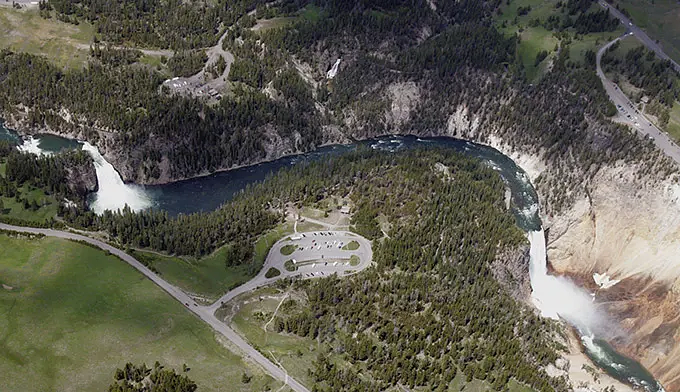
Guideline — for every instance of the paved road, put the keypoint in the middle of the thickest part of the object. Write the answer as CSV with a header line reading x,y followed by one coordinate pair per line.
x,y
320,269
660,138
639,33
204,313
150,52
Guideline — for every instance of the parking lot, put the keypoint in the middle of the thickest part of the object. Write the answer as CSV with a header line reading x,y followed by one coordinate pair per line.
x,y
320,253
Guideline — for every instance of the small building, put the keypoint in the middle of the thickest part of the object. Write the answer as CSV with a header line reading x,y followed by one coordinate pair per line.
x,y
344,210
644,99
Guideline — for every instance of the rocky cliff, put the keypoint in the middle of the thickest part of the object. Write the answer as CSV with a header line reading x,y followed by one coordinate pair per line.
x,y
609,200
630,230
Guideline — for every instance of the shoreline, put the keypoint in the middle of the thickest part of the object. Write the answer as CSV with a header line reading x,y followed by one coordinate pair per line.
x,y
520,159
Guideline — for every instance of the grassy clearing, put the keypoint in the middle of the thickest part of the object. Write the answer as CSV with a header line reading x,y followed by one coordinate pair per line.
x,y
296,354
673,128
265,242
659,18
287,250
533,39
272,273
74,315
48,206
289,266
25,31
208,277
592,41
353,245
354,260
536,39
308,226
12,208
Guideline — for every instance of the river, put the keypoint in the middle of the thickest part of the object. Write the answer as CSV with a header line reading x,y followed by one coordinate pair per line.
x,y
555,297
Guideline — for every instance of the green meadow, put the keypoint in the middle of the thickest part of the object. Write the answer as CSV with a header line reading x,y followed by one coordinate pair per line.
x,y
71,315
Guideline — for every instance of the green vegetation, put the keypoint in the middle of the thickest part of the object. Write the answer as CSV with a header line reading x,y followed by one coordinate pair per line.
x,y
187,63
266,241
644,77
212,275
295,353
133,378
272,273
353,245
72,314
32,188
287,250
546,27
64,44
289,266
473,223
354,260
298,354
33,205
206,277
659,19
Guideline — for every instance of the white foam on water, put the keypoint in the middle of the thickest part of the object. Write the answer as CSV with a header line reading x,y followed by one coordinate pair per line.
x,y
530,211
113,194
31,145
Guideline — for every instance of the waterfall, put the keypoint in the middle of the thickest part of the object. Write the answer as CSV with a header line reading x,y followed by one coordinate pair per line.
x,y
558,297
113,193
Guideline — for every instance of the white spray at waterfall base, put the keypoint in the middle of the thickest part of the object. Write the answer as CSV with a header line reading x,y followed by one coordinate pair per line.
x,y
31,145
558,297
113,193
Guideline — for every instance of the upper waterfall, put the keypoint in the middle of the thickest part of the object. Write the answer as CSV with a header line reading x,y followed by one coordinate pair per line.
x,y
113,193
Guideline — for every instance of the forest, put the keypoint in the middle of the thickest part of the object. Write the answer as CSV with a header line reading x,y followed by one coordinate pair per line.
x,y
454,56
431,306
133,378
64,175
644,70
432,273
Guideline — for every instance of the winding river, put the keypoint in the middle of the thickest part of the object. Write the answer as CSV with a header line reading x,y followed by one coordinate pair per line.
x,y
555,297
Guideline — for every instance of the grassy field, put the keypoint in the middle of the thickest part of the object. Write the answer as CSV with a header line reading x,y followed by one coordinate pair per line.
x,y
295,354
659,18
71,315
351,246
208,277
287,249
25,31
536,39
14,209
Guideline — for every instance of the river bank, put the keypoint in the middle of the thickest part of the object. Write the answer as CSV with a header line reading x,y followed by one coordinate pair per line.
x,y
207,193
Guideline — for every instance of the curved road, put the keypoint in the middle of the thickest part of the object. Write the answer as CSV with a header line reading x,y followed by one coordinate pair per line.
x,y
639,33
660,138
276,260
204,313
